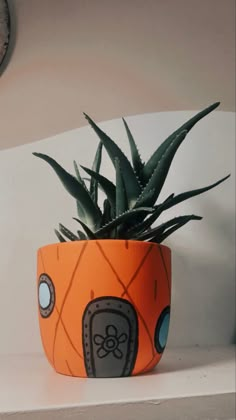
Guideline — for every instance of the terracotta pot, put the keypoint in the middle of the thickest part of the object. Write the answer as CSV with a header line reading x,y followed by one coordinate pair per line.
x,y
104,306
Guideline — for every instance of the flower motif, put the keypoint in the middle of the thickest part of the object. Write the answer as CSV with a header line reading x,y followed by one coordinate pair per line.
x,y
110,343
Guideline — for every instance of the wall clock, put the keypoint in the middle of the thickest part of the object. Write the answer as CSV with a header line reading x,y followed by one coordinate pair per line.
x,y
4,30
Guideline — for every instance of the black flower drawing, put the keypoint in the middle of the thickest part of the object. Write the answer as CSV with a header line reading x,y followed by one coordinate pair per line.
x,y
110,343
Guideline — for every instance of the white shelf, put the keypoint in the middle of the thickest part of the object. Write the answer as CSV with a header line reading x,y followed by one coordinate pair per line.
x,y
202,377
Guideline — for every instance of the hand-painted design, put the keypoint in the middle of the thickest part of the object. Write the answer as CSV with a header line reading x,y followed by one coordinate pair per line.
x,y
161,331
126,292
165,268
65,298
69,369
150,363
110,343
155,289
110,337
68,336
46,295
138,268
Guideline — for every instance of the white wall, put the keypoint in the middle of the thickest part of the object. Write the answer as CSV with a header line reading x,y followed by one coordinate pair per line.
x,y
32,202
114,58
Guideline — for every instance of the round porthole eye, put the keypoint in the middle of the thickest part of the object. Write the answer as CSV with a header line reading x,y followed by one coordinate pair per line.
x,y
161,331
46,295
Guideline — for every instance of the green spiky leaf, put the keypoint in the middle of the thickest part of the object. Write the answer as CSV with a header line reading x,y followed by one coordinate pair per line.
x,y
159,175
77,190
136,159
96,168
132,186
81,213
169,197
129,209
88,231
123,218
59,236
157,231
151,165
80,210
107,186
121,198
81,235
138,228
107,212
160,237
78,176
172,201
67,233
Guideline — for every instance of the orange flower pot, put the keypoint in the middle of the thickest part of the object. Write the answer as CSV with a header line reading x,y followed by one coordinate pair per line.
x,y
104,306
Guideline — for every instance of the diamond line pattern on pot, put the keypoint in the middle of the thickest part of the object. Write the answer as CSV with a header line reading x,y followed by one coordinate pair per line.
x,y
128,295
65,297
164,265
63,325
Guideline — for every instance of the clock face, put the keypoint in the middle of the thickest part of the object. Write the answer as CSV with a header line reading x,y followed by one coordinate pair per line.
x,y
4,29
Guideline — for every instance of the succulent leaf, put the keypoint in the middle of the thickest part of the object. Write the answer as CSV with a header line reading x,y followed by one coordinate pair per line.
x,y
81,235
159,175
169,197
121,198
123,218
159,238
138,217
80,210
150,166
107,186
81,213
107,212
59,236
136,159
172,201
129,209
78,176
157,231
96,168
132,186
88,231
76,190
137,229
67,233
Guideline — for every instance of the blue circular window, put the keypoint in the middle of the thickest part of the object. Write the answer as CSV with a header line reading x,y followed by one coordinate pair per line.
x,y
161,331
46,295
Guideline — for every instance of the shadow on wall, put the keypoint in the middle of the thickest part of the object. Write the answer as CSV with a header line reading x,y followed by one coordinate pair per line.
x,y
209,277
224,229
222,223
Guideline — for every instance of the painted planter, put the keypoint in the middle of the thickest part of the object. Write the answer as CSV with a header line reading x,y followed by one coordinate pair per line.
x,y
104,306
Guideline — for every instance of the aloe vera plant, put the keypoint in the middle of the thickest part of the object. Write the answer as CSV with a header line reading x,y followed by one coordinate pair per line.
x,y
131,203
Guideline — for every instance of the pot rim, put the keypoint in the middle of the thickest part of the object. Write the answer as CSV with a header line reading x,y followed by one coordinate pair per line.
x,y
73,243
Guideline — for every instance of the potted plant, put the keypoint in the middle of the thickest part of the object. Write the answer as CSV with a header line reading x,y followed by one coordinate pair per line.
x,y
104,296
